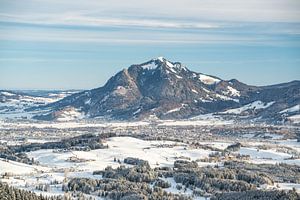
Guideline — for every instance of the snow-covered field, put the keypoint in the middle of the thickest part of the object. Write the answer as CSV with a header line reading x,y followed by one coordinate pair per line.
x,y
295,119
17,168
54,165
268,156
120,148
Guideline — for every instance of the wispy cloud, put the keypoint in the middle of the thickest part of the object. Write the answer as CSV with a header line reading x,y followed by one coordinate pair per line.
x,y
167,21
195,10
81,20
137,36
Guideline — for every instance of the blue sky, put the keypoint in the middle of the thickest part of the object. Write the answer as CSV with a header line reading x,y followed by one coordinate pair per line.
x,y
64,44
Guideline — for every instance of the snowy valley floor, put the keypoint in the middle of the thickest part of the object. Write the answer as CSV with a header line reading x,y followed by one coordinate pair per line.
x,y
47,157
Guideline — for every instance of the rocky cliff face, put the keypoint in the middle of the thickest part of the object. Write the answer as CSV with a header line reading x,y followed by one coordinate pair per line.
x,y
169,90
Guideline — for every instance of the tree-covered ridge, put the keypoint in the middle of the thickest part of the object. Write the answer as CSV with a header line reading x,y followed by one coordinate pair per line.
x,y
143,182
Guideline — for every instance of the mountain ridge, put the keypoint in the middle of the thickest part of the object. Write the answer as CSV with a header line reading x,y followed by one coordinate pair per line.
x,y
168,90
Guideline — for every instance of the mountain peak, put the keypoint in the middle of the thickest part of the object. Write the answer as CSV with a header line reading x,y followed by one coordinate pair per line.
x,y
160,58
163,63
167,90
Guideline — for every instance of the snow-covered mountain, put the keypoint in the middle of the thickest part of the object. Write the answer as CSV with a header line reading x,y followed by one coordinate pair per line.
x,y
17,104
169,90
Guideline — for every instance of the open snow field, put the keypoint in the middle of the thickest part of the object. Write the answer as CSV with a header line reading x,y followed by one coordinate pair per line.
x,y
120,148
18,168
54,167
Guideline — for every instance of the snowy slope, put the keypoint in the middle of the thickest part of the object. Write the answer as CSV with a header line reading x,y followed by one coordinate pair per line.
x,y
295,108
256,105
15,104
17,168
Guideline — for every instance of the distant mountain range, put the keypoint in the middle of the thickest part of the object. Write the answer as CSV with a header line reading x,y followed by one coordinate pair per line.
x,y
15,104
169,90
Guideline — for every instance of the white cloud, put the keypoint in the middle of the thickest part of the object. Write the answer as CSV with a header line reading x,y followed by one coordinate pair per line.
x,y
156,21
130,36
79,20
135,11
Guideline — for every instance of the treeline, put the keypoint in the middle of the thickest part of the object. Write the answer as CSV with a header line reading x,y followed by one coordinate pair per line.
x,y
135,161
7,154
122,181
234,147
83,142
278,173
125,183
11,193
143,182
140,173
258,195
121,189
91,141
